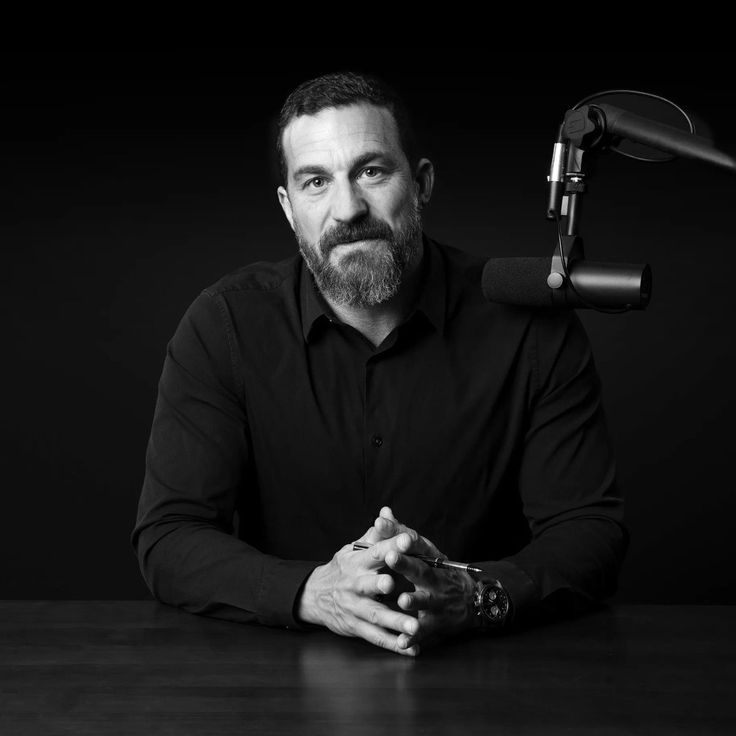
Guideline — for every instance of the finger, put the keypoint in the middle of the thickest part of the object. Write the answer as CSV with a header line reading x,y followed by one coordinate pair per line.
x,y
378,551
387,516
383,527
386,527
421,640
374,585
412,569
418,600
387,513
415,543
381,616
386,640
429,632
393,527
372,558
375,534
432,548
411,542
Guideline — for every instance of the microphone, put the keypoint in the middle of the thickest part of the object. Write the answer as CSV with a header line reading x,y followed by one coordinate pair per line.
x,y
523,282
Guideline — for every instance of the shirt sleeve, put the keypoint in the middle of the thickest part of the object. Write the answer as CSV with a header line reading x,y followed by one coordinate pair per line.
x,y
196,470
567,481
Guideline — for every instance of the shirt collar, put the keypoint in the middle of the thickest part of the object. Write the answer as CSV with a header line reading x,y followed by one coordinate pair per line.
x,y
431,301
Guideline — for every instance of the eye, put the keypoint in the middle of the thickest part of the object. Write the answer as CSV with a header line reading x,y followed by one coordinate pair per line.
x,y
371,172
316,182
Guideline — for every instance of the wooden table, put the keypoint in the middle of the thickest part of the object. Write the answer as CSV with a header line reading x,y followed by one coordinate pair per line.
x,y
106,667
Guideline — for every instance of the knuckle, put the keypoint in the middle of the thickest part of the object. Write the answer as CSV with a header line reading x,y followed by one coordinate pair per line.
x,y
339,597
385,584
381,641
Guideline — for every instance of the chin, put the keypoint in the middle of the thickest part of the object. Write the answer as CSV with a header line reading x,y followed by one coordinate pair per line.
x,y
359,251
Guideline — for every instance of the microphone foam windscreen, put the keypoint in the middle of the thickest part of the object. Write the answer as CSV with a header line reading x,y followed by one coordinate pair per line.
x,y
521,281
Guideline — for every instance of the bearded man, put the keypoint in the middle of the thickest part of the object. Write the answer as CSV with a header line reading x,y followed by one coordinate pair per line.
x,y
366,382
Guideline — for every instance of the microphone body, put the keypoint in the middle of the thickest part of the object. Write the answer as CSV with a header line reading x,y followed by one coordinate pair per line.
x,y
523,282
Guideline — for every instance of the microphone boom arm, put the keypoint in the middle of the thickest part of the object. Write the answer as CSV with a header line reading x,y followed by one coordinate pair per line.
x,y
605,287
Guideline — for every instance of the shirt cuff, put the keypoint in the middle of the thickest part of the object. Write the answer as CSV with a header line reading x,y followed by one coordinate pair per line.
x,y
281,583
521,589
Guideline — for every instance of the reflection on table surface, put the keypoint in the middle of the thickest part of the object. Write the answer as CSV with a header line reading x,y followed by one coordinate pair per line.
x,y
99,667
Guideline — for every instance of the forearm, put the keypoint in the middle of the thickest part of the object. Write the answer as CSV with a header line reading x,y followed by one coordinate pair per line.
x,y
196,463
567,477
568,567
202,569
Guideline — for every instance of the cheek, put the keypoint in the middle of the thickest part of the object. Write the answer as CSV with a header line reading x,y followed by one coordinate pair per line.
x,y
309,219
401,207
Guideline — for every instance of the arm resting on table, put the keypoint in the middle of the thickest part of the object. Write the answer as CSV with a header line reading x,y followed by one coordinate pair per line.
x,y
196,465
566,481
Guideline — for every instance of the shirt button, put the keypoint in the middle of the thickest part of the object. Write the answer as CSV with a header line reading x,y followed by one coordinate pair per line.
x,y
376,440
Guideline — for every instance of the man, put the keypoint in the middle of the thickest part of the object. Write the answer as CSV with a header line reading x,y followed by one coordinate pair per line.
x,y
369,374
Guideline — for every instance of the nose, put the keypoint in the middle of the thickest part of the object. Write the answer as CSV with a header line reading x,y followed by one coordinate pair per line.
x,y
348,202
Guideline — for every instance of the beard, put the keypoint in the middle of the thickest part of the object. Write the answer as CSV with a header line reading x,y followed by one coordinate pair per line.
x,y
367,276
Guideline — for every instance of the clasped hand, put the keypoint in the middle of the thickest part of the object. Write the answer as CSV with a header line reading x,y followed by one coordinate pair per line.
x,y
384,595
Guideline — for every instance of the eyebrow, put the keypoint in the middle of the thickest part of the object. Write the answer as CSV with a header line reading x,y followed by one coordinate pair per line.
x,y
362,160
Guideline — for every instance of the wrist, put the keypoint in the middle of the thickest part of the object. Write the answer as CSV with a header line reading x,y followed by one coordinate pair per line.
x,y
307,609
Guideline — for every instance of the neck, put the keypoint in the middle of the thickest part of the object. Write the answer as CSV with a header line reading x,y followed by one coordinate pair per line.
x,y
378,321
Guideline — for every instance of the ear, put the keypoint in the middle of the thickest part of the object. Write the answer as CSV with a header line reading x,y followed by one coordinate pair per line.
x,y
286,205
424,179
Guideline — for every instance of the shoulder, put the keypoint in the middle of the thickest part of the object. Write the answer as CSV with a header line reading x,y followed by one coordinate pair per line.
x,y
460,265
251,304
465,298
244,299
543,335
257,278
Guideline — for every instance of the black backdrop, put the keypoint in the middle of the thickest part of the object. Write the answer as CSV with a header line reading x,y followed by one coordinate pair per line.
x,y
132,180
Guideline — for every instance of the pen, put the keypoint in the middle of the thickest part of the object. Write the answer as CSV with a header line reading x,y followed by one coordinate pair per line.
x,y
432,561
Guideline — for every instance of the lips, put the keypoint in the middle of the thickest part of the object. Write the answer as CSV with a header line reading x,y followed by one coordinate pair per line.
x,y
344,234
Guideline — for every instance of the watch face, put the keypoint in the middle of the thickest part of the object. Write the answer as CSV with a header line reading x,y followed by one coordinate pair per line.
x,y
495,604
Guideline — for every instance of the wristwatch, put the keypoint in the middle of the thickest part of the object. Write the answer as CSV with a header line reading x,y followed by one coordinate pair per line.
x,y
491,603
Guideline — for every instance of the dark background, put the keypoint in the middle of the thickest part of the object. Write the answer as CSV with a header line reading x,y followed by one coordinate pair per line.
x,y
130,181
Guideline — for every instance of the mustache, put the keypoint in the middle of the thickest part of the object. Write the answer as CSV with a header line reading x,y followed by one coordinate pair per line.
x,y
368,229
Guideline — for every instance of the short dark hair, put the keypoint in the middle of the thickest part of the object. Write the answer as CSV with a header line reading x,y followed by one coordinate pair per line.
x,y
339,90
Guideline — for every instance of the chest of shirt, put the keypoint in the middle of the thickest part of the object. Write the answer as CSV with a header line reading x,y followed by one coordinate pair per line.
x,y
426,417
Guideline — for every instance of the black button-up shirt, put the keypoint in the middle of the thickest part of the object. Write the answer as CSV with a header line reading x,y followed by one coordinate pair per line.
x,y
279,432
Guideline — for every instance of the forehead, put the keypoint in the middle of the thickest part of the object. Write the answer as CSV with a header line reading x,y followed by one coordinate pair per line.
x,y
337,134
